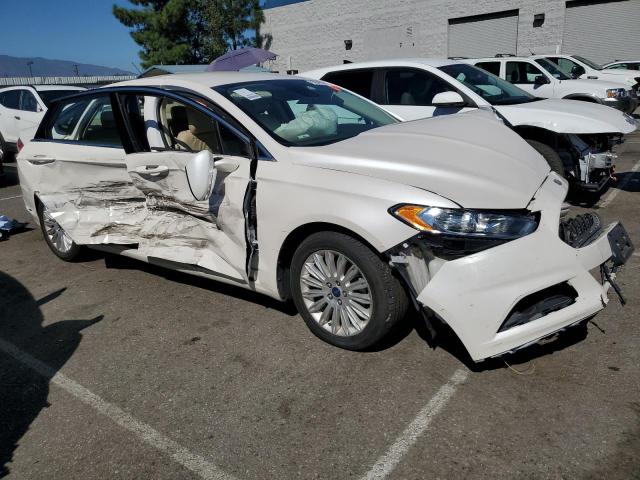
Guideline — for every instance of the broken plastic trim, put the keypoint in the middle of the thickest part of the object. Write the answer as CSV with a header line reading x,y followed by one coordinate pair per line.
x,y
539,304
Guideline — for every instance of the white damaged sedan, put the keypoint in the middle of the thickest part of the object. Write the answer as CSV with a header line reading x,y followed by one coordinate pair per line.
x,y
298,189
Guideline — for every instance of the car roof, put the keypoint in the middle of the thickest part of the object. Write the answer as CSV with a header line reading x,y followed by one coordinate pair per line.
x,y
431,62
41,88
207,79
497,59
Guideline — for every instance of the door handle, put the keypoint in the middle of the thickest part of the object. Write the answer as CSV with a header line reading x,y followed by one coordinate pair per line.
x,y
152,170
41,160
16,117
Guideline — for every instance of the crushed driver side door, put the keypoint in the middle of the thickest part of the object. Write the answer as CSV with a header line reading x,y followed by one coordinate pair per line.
x,y
171,134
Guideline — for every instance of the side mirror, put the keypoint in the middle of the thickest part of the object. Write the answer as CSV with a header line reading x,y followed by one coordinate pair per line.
x,y
577,70
448,99
201,174
541,80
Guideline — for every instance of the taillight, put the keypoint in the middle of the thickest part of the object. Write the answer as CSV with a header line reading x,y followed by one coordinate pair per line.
x,y
19,145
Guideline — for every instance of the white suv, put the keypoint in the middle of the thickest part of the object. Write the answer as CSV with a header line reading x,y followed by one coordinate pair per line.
x,y
576,138
22,109
299,189
545,79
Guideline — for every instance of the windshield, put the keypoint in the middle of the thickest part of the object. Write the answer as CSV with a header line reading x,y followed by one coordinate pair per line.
x,y
591,64
493,89
553,69
305,112
49,96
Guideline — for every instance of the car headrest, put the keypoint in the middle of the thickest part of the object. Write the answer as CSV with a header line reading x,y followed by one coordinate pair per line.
x,y
107,119
199,123
178,122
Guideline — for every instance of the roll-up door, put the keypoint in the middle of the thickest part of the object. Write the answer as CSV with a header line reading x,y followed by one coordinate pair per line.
x,y
483,35
602,30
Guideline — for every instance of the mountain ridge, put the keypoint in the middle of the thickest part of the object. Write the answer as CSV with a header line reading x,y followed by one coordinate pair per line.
x,y
45,67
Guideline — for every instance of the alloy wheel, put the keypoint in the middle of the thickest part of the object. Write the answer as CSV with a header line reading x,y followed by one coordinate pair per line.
x,y
57,236
336,293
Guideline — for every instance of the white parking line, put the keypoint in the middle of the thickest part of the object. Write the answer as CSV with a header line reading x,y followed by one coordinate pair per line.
x,y
147,434
611,196
388,462
9,198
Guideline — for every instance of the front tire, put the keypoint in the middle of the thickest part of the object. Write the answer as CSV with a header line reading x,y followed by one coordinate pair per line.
x,y
551,156
345,293
57,239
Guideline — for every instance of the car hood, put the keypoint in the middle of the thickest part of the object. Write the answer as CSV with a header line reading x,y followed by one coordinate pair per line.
x,y
568,116
617,75
598,87
471,159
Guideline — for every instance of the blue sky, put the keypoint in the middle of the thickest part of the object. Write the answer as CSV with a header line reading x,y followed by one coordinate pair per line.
x,y
82,30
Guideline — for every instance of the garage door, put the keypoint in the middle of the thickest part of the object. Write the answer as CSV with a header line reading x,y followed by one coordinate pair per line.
x,y
602,31
483,35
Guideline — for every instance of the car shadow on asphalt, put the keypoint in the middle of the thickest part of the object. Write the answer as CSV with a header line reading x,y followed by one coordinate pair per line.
x,y
23,391
628,182
125,263
8,176
447,340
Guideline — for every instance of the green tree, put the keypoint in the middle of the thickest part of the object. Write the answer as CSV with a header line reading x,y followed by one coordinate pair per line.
x,y
234,24
169,31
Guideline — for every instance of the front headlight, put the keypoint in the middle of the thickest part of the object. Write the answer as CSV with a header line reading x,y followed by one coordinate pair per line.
x,y
616,93
467,223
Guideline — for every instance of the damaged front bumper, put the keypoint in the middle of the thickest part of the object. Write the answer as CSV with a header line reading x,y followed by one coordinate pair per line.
x,y
510,295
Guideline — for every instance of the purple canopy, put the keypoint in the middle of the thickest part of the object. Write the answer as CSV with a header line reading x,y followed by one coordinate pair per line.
x,y
236,59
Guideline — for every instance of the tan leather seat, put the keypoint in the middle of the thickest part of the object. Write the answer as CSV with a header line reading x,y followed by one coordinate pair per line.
x,y
202,133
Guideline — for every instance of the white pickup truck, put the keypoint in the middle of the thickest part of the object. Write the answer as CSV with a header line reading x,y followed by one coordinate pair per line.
x,y
576,138
581,67
545,79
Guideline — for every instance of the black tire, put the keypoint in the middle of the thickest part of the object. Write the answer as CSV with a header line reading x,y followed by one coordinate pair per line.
x,y
389,301
551,156
70,255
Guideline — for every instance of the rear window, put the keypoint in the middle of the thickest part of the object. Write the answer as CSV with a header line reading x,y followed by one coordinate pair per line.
x,y
491,67
85,120
10,99
358,81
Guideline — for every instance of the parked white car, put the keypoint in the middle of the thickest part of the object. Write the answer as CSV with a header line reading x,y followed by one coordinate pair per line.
x,y
581,67
22,109
576,138
623,65
299,189
543,78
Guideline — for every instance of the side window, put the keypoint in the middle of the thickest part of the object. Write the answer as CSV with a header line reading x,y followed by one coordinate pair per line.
x,y
491,67
568,66
522,73
618,66
358,81
28,102
184,128
85,120
413,87
10,99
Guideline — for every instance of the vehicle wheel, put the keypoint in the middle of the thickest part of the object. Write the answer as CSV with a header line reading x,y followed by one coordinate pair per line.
x,y
59,242
550,155
345,293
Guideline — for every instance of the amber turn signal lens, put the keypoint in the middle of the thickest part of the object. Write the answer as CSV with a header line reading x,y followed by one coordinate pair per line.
x,y
409,213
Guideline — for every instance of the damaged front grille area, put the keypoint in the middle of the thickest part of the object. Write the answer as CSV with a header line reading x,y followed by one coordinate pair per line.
x,y
580,231
539,304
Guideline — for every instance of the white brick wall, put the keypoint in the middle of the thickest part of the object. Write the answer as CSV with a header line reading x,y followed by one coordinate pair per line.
x,y
312,33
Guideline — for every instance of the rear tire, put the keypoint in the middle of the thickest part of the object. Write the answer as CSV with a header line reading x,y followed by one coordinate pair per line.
x,y
550,155
345,293
57,239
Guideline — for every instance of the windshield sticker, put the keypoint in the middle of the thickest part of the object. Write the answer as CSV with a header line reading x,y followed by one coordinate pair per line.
x,y
248,94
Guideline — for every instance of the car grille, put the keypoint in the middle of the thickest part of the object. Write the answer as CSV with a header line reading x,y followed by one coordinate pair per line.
x,y
581,230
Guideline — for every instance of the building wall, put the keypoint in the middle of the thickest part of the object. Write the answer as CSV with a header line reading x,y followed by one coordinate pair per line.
x,y
312,32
